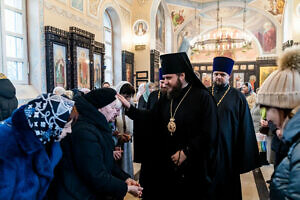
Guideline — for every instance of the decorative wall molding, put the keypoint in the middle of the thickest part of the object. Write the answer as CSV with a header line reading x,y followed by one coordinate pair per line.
x,y
126,14
62,12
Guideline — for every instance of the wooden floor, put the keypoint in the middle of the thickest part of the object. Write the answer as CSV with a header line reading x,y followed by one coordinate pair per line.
x,y
254,186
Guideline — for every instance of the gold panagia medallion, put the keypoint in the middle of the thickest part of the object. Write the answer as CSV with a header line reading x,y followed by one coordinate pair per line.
x,y
172,125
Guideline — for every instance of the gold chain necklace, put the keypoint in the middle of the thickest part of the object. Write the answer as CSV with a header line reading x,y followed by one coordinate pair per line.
x,y
172,125
212,92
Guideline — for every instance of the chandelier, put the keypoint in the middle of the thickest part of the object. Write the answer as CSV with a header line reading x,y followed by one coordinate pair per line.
x,y
223,39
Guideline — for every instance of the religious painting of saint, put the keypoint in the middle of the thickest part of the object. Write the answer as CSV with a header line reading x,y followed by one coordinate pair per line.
x,y
77,4
264,72
177,17
206,79
97,71
59,61
266,36
243,67
252,80
83,68
160,29
238,80
129,72
140,27
276,7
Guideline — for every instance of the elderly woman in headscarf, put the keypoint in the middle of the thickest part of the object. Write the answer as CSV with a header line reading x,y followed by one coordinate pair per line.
x,y
87,169
124,126
59,90
142,103
140,91
29,146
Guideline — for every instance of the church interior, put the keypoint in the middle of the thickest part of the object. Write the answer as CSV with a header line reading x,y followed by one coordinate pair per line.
x,y
83,43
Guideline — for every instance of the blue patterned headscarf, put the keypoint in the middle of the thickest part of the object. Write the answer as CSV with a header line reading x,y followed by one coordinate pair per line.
x,y
47,116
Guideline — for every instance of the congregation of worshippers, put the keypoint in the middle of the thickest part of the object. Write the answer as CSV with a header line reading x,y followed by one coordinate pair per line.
x,y
190,140
149,99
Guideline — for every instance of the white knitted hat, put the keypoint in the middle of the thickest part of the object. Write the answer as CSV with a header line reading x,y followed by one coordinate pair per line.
x,y
282,88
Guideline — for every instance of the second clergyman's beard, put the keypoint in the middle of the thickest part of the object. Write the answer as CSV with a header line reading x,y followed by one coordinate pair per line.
x,y
175,90
220,84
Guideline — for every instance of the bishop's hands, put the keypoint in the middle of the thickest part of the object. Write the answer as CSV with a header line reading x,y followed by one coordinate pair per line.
x,y
134,187
178,158
124,102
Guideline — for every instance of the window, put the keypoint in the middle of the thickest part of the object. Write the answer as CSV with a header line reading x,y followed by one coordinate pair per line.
x,y
13,40
108,41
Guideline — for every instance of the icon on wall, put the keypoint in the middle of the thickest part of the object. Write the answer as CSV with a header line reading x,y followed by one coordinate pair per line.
x,y
140,27
83,68
97,70
59,61
206,79
238,80
264,72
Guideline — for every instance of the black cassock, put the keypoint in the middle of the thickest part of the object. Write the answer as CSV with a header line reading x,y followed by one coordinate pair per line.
x,y
196,134
239,144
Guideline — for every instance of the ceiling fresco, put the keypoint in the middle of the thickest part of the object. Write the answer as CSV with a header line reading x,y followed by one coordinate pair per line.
x,y
191,18
182,10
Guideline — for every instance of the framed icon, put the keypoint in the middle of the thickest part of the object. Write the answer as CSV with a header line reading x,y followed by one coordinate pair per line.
x,y
97,70
206,79
127,66
243,67
57,58
238,80
141,74
264,72
140,27
83,68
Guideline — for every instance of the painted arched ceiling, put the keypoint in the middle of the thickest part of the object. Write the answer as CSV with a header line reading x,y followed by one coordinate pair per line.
x,y
197,17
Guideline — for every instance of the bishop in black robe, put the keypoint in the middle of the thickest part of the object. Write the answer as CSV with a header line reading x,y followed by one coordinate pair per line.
x,y
196,135
237,133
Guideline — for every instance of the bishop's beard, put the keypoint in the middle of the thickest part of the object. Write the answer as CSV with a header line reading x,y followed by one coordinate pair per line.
x,y
176,90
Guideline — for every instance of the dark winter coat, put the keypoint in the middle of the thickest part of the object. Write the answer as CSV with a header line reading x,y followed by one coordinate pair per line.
x,y
8,100
87,169
25,167
286,179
